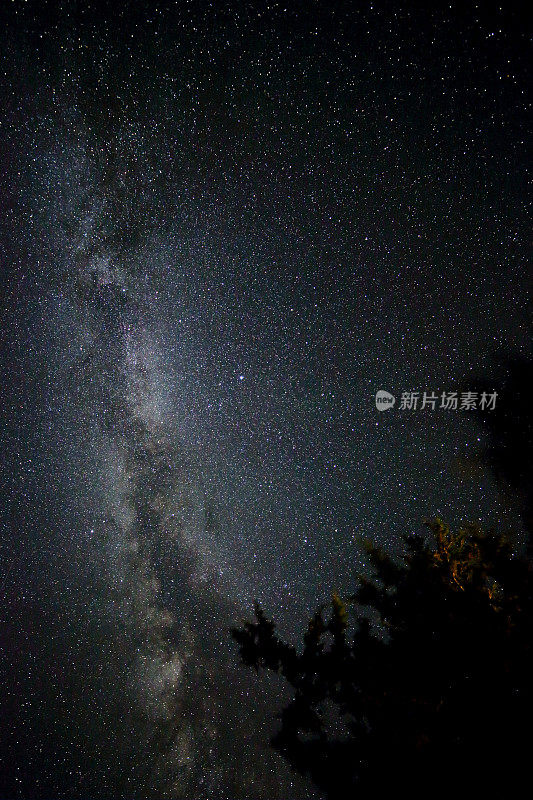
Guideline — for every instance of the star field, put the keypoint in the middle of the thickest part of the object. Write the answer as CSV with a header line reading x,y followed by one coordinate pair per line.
x,y
225,227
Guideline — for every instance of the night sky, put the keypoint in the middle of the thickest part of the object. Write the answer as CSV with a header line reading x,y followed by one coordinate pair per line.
x,y
224,227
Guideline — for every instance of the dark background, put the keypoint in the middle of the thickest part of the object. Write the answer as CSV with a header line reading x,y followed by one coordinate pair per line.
x,y
304,203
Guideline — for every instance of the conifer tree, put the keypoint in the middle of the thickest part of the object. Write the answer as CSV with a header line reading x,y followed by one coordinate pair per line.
x,y
421,679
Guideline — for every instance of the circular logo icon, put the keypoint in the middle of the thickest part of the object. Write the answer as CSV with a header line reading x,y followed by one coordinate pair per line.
x,y
384,400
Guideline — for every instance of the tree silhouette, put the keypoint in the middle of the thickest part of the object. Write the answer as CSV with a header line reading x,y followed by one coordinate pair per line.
x,y
430,690
509,427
